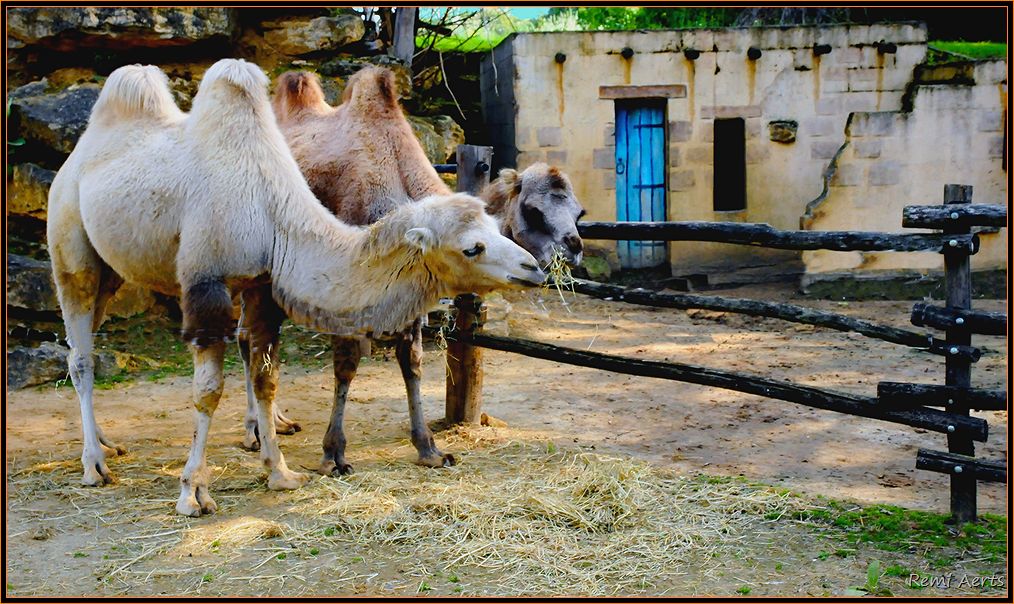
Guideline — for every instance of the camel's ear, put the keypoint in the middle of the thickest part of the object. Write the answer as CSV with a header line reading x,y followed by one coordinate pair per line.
x,y
511,180
421,237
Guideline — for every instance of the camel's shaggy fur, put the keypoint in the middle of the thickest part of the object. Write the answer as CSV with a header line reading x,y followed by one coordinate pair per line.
x,y
211,205
362,160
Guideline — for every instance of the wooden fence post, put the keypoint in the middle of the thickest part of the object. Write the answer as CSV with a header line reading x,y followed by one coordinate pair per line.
x,y
404,34
473,168
463,403
958,282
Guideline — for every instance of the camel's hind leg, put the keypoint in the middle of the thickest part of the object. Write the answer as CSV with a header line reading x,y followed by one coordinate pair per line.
x,y
195,497
409,353
283,425
264,320
346,361
84,285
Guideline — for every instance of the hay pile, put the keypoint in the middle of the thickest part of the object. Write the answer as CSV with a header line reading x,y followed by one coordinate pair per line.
x,y
518,515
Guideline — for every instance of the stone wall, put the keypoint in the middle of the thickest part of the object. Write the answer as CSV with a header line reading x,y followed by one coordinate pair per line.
x,y
795,104
953,133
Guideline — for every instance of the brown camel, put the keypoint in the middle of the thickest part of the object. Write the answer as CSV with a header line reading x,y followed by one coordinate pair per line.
x,y
362,160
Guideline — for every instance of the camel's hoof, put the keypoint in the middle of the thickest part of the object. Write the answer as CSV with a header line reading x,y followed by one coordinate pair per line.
x,y
437,460
112,450
208,505
96,475
287,481
188,506
329,468
286,429
251,442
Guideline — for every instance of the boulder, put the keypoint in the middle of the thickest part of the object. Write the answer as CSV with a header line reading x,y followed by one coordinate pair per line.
x,y
28,191
439,136
31,366
344,67
53,120
300,35
70,29
30,284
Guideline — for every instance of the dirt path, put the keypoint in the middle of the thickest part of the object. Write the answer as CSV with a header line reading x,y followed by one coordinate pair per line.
x,y
673,425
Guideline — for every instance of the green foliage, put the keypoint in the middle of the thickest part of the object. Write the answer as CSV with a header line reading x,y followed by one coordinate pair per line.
x,y
743,590
627,18
947,51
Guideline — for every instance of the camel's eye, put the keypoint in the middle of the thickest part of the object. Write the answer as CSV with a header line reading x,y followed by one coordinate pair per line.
x,y
534,218
475,251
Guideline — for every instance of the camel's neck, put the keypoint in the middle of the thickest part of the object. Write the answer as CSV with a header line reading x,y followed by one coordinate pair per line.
x,y
368,279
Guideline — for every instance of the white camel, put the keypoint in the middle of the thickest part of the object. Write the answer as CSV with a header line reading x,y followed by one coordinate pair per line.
x,y
211,205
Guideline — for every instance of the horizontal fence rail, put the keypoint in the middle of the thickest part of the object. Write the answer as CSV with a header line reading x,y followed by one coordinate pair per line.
x,y
902,395
755,308
952,463
946,317
923,417
765,235
951,216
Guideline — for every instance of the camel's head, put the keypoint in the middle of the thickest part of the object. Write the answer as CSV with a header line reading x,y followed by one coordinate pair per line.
x,y
541,213
463,247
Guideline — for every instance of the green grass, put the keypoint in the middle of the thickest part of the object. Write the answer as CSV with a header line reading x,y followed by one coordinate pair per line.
x,y
946,51
893,528
477,43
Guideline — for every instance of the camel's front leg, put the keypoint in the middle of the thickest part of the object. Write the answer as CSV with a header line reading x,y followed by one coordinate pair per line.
x,y
346,353
195,497
283,425
409,353
264,319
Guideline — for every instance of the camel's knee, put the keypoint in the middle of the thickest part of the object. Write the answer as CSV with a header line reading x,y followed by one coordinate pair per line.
x,y
346,359
265,381
80,365
409,359
207,393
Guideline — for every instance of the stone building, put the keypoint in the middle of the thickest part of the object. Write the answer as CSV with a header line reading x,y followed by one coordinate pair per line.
x,y
813,127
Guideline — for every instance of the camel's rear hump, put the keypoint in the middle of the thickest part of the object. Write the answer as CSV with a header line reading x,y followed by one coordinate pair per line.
x,y
135,91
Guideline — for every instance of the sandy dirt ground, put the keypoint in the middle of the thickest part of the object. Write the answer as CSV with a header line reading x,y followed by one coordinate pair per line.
x,y
673,425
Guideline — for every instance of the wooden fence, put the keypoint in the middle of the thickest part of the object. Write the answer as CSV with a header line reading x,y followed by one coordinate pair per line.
x,y
939,408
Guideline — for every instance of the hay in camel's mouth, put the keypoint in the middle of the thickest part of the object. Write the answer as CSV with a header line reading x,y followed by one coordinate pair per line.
x,y
518,515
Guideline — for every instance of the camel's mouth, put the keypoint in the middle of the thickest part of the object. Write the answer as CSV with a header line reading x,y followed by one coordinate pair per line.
x,y
526,282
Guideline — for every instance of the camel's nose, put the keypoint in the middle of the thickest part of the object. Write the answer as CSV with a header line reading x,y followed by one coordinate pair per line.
x,y
573,243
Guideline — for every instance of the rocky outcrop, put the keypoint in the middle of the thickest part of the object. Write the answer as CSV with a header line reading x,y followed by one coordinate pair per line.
x,y
28,194
53,120
68,29
30,286
300,35
439,135
344,67
31,366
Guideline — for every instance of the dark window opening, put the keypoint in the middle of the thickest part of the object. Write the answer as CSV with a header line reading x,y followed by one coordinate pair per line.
x,y
730,165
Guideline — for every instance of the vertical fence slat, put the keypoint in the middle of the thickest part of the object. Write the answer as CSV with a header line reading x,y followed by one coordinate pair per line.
x,y
463,402
958,276
473,168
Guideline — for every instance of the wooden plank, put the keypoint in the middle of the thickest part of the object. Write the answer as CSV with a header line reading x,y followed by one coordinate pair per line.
x,y
924,417
961,465
958,285
947,216
473,167
764,235
657,251
673,91
946,317
463,402
903,395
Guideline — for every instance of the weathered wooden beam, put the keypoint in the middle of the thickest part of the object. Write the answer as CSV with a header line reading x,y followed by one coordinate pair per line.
x,y
764,235
961,465
755,308
946,216
958,371
925,418
962,352
903,395
946,317
671,91
473,164
463,393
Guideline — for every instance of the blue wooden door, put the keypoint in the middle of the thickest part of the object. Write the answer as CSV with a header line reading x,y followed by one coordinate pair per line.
x,y
640,176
